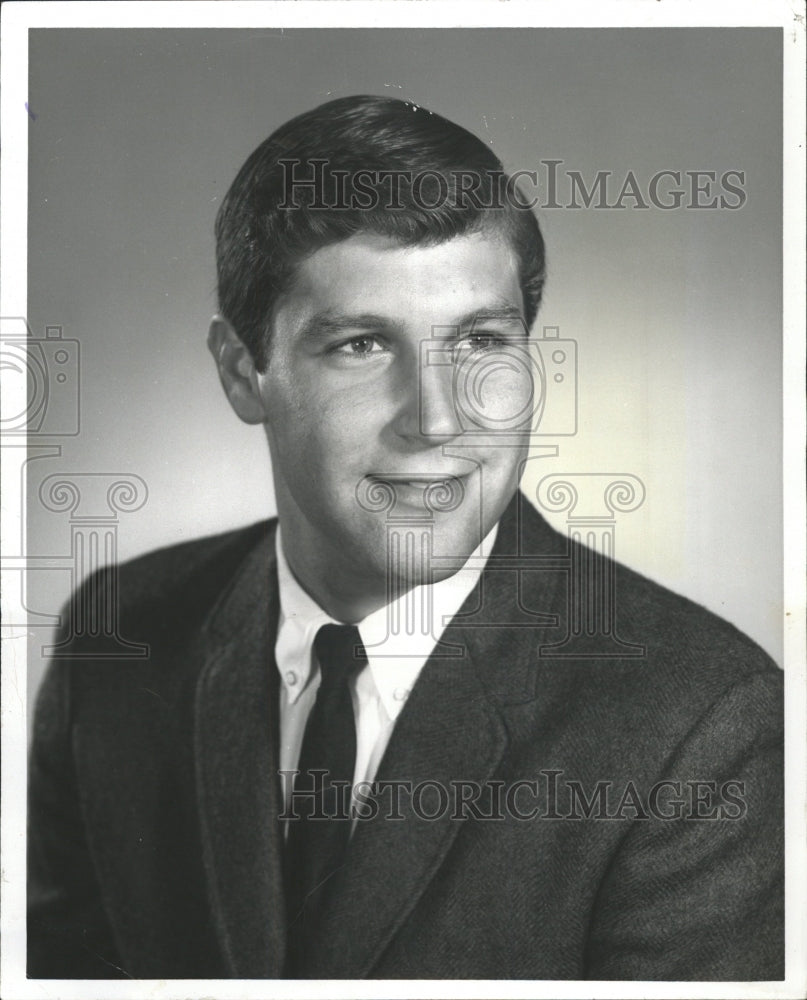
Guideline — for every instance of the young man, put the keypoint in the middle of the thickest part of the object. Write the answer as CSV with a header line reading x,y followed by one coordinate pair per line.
x,y
371,738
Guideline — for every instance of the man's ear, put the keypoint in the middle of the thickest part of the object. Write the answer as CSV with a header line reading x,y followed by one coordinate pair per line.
x,y
236,371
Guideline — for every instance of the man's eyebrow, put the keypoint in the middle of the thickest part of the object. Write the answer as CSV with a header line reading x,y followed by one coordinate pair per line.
x,y
506,311
328,322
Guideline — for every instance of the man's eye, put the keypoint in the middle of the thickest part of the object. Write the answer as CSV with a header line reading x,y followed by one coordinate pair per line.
x,y
361,347
477,343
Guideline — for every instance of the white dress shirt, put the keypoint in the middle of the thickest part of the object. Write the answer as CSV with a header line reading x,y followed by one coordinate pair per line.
x,y
379,689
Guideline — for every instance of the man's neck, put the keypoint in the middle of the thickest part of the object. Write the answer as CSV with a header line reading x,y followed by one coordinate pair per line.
x,y
340,593
346,607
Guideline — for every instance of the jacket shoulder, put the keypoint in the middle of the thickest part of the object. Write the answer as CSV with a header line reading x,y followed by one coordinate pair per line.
x,y
685,630
639,654
172,588
692,666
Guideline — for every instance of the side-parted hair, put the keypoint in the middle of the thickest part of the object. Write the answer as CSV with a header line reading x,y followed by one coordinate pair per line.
x,y
360,164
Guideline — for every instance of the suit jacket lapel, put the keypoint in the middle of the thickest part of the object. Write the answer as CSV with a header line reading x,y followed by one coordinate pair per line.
x,y
236,727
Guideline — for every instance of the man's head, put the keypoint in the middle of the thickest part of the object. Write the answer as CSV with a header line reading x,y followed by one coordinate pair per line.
x,y
355,312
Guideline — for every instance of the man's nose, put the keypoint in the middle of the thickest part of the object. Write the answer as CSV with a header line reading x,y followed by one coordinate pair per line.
x,y
429,410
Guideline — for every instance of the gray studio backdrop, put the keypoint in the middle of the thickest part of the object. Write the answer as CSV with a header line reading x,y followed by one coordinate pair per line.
x,y
135,136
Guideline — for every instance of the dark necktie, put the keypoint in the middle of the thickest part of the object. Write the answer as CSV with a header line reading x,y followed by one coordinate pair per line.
x,y
316,847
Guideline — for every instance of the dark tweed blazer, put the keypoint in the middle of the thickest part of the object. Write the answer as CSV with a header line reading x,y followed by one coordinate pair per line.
x,y
155,847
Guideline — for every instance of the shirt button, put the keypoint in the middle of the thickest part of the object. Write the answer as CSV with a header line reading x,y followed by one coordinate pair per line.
x,y
291,678
400,694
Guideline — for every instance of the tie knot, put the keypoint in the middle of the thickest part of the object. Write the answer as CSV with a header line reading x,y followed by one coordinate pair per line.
x,y
340,652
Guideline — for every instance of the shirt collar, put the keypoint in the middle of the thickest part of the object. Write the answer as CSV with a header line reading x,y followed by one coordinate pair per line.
x,y
395,657
300,620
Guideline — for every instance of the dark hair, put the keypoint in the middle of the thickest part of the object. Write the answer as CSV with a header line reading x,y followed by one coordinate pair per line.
x,y
359,164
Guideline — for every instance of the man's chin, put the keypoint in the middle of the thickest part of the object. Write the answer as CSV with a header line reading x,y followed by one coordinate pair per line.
x,y
393,555
428,555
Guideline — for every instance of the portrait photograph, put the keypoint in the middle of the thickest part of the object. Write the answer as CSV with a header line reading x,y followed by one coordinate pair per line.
x,y
403,500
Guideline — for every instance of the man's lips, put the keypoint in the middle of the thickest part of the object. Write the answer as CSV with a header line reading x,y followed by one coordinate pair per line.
x,y
419,478
426,483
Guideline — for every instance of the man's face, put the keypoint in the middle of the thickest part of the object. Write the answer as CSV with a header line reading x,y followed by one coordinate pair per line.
x,y
371,351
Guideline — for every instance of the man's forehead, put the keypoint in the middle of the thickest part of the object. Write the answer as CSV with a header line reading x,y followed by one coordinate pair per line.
x,y
489,242
468,276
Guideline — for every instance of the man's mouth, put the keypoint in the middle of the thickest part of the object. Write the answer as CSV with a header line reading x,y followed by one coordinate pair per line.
x,y
435,491
422,480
